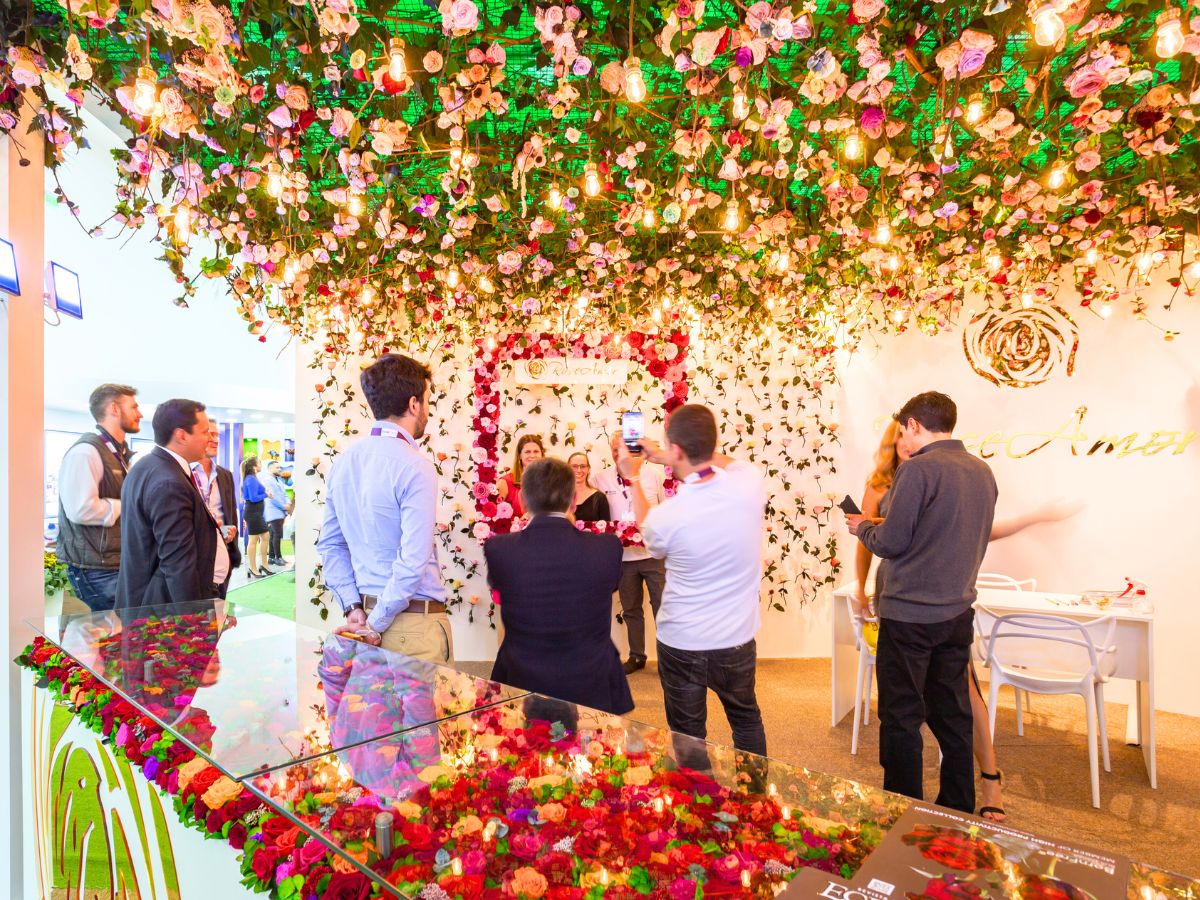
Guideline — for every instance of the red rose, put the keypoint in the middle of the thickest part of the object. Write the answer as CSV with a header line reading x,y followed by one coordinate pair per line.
x,y
635,339
1042,887
273,827
202,782
469,887
354,819
347,886
948,887
264,862
558,892
237,836
952,848
418,835
286,842
403,874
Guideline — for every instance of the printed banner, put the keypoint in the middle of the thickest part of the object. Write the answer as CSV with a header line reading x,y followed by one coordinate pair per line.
x,y
571,371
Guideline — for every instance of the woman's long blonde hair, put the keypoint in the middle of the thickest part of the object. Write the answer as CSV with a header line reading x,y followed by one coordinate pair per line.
x,y
886,458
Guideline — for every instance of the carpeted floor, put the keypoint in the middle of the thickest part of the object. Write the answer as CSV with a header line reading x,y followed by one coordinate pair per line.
x,y
1045,772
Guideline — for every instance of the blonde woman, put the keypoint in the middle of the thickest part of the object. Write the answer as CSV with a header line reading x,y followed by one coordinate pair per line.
x,y
874,506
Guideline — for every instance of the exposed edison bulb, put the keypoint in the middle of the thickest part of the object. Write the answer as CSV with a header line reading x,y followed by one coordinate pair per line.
x,y
1193,271
648,217
554,197
1145,262
732,217
994,262
354,205
1048,26
1091,256
1058,176
456,157
656,315
183,222
368,295
491,342
397,67
145,91
1168,36
452,277
741,104
1026,301
783,260
893,262
591,180
1106,309
899,315
853,148
274,181
883,232
485,284
975,108
635,83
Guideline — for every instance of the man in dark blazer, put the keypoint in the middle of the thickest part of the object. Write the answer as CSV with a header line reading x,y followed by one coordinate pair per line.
x,y
556,585
171,551
216,487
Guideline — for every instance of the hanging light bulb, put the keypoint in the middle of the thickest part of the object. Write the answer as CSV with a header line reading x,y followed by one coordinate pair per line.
x,y
1106,309
975,108
853,148
368,295
485,284
730,222
656,315
648,217
1048,26
994,262
899,315
1193,271
591,180
354,205
1090,256
1026,300
783,260
1058,176
397,68
893,262
1168,36
183,222
274,181
635,83
452,277
741,104
145,91
883,232
554,197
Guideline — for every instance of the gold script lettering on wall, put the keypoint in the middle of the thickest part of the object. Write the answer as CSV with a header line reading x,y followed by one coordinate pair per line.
x,y
1119,444
1021,347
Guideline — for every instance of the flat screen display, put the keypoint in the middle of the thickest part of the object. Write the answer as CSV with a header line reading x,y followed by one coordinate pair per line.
x,y
65,285
9,283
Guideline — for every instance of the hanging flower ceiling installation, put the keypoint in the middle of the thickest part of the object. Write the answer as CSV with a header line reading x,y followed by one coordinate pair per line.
x,y
804,169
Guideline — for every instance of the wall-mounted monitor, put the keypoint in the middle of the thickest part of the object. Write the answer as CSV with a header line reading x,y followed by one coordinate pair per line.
x,y
64,290
9,283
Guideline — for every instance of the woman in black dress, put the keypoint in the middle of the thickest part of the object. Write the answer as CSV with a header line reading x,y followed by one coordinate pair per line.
x,y
590,504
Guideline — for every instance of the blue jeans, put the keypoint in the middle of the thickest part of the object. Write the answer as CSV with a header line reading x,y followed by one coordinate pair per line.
x,y
95,587
688,675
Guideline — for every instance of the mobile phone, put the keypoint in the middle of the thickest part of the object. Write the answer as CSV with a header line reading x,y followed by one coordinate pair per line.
x,y
633,429
849,507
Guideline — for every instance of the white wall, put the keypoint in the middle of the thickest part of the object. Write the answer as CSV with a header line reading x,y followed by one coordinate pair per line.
x,y
1139,516
131,331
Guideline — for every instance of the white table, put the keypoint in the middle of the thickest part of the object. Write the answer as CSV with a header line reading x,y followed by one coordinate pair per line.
x,y
1134,655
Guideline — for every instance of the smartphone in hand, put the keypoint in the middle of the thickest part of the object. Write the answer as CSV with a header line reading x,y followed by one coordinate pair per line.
x,y
849,507
633,429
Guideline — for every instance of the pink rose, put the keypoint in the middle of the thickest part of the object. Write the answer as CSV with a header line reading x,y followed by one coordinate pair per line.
x,y
865,10
871,120
459,15
343,121
432,61
972,61
1084,81
295,97
1087,160
280,117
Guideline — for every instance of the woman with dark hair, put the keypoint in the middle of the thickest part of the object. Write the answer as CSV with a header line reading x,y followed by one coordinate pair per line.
x,y
254,496
590,504
529,449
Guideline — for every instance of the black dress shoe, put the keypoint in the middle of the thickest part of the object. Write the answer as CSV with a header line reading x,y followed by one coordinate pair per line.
x,y
633,664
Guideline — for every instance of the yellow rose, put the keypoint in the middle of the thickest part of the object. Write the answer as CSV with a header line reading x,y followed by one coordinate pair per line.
x,y
528,882
430,774
638,775
189,771
221,792
544,781
406,809
467,825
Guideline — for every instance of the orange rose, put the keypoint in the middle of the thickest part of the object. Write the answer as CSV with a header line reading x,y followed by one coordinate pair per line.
x,y
223,790
189,771
552,812
638,775
528,882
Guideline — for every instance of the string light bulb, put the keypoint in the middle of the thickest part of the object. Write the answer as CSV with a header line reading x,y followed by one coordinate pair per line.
x,y
1026,301
648,217
783,260
183,222
554,197
274,181
893,262
1058,176
485,284
732,216
452,277
591,180
635,82
145,91
1193,271
397,67
368,295
354,205
853,148
883,232
1106,309
975,108
1048,25
741,104
1090,256
1168,35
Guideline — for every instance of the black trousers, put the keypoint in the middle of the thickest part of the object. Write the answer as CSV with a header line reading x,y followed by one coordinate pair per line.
x,y
688,675
275,545
922,675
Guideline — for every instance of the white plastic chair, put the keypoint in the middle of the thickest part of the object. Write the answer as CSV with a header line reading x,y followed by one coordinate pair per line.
x,y
866,675
1004,582
1056,655
996,581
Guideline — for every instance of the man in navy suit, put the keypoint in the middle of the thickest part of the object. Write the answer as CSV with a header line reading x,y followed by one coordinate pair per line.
x,y
171,548
556,585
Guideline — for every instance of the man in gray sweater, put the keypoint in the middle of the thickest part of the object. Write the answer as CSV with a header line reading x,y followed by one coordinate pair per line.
x,y
938,519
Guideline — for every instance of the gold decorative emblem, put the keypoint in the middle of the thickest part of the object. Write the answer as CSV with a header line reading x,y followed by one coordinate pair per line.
x,y
537,368
1021,348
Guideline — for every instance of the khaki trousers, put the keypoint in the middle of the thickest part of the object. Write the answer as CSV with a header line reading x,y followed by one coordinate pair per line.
x,y
421,635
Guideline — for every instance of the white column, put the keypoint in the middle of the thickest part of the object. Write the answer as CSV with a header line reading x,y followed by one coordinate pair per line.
x,y
21,462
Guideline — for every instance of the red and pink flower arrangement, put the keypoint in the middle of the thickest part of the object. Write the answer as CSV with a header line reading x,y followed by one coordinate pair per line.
x,y
664,357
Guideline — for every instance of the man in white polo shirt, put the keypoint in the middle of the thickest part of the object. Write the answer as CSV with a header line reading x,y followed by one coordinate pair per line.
x,y
710,534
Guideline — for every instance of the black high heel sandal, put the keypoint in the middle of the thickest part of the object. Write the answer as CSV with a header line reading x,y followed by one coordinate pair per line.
x,y
994,810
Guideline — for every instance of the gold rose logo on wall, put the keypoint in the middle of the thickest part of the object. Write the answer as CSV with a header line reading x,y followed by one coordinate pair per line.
x,y
1021,347
536,368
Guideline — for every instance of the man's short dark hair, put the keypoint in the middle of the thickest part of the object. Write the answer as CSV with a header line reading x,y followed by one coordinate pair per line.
x,y
173,414
548,486
390,383
106,394
693,429
935,411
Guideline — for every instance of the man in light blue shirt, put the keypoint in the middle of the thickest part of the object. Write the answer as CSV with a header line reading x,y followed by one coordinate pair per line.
x,y
275,512
377,545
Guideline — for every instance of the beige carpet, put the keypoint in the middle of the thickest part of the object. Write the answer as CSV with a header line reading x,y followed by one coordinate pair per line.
x,y
1045,772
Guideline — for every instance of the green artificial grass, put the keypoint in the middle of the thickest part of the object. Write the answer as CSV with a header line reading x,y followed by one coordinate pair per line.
x,y
275,595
